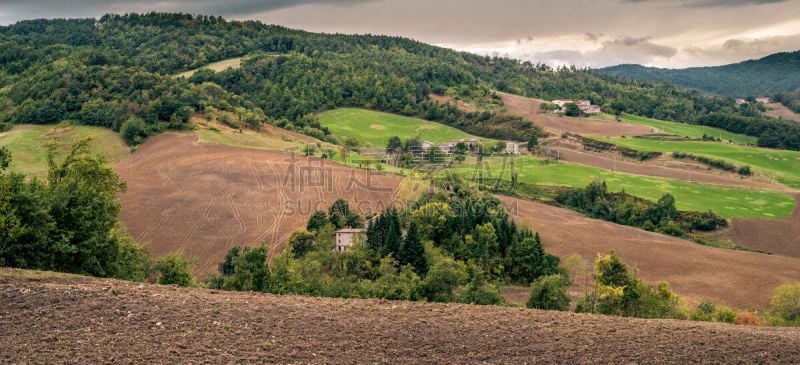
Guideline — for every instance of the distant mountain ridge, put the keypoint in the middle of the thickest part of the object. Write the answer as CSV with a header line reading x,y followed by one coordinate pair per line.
x,y
776,73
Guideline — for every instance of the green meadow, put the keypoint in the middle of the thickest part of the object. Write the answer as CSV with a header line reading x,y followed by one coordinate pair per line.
x,y
782,165
373,129
725,201
26,143
215,66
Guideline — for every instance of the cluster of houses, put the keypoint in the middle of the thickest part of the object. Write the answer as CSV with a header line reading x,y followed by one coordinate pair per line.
x,y
760,99
585,105
472,144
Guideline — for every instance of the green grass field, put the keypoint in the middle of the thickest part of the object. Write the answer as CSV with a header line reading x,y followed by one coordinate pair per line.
x,y
688,130
782,165
373,129
29,156
215,66
725,201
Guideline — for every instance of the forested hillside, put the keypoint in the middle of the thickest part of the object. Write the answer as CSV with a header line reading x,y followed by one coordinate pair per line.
x,y
773,74
116,72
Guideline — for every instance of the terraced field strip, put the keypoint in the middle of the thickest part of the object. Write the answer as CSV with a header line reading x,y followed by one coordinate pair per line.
x,y
688,130
782,165
728,202
373,129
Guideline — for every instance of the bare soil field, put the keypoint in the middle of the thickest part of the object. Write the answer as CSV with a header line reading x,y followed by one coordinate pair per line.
x,y
444,99
677,170
740,279
780,236
57,318
201,200
529,109
779,110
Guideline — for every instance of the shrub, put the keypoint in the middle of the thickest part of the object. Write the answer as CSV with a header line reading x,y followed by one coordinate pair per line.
x,y
174,269
747,319
786,305
549,292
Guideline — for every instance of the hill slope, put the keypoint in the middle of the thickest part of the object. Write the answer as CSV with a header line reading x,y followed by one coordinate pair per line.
x,y
201,199
54,318
738,278
775,73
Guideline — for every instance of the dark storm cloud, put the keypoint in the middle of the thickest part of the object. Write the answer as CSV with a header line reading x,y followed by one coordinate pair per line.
x,y
709,3
641,46
680,33
13,11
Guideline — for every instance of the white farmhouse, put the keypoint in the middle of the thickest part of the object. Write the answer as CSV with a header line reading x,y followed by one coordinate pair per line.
x,y
512,148
347,237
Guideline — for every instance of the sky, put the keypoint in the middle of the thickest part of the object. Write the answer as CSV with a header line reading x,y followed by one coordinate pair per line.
x,y
584,33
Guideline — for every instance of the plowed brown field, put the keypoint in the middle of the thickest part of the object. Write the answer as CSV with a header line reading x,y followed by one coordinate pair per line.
x,y
529,109
737,278
54,318
200,199
778,110
780,236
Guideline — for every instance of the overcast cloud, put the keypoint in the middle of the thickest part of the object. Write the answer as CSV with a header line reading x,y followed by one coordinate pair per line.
x,y
585,33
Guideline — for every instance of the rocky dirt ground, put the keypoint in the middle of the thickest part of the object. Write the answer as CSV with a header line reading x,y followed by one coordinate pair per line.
x,y
57,318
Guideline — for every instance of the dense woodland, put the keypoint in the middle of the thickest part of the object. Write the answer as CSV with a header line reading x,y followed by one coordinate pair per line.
x,y
69,222
115,72
597,202
777,73
450,246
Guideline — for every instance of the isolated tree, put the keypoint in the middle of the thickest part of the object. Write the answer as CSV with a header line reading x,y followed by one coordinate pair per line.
x,y
572,110
549,292
412,251
434,155
84,207
434,221
250,271
786,305
478,291
337,213
394,144
301,241
402,284
413,145
533,143
174,269
444,275
317,221
529,260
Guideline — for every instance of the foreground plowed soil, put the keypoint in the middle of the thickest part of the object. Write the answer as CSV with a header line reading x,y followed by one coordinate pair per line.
x,y
55,318
739,279
201,200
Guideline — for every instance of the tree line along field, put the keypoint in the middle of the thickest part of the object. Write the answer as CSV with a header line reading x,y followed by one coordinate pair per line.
x,y
687,130
27,144
728,202
373,129
782,165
